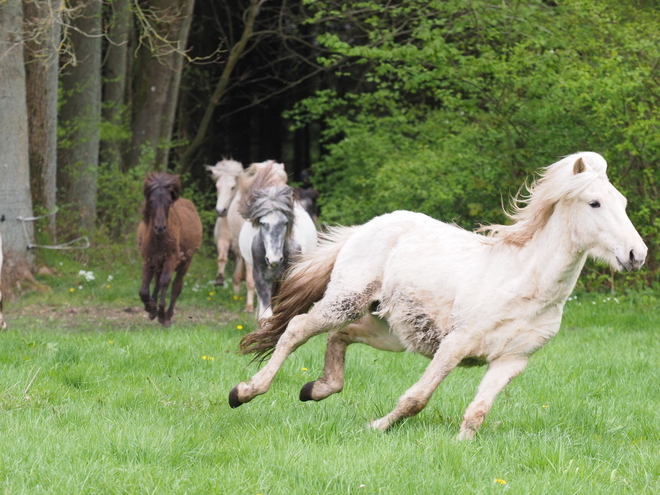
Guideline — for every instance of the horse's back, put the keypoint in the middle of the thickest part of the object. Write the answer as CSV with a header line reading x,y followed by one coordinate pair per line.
x,y
190,224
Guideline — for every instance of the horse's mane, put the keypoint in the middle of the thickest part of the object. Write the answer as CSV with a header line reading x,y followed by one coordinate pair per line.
x,y
226,166
277,172
267,193
160,180
530,212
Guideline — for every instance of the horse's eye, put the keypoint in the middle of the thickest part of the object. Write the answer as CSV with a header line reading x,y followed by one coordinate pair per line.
x,y
594,204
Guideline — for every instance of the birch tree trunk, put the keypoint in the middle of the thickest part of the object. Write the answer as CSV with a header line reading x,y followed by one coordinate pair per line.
x,y
42,28
15,197
80,116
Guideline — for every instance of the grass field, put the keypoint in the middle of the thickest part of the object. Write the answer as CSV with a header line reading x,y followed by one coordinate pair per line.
x,y
95,398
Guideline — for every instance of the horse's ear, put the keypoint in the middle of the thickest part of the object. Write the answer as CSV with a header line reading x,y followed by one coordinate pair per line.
x,y
579,166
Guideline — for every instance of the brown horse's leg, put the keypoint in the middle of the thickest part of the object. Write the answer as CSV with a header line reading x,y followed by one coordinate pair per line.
x,y
163,283
250,284
367,330
499,374
149,302
177,285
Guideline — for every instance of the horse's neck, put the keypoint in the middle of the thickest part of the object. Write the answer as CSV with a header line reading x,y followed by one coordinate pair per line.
x,y
551,260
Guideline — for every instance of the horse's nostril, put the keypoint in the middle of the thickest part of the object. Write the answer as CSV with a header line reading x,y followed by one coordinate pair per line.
x,y
632,256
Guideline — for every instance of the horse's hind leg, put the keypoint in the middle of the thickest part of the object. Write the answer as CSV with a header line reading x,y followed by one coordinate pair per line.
x,y
3,323
367,330
239,273
499,374
250,285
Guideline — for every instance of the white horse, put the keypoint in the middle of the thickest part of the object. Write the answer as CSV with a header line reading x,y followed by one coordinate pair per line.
x,y
225,173
404,281
277,231
3,324
228,228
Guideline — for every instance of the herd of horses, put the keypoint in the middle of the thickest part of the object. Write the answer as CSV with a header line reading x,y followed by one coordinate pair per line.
x,y
402,281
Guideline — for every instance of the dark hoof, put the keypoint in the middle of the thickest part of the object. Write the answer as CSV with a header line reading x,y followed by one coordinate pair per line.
x,y
166,323
152,315
306,392
220,280
234,401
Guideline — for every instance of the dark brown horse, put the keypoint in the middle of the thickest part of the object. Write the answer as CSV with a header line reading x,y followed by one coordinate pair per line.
x,y
168,236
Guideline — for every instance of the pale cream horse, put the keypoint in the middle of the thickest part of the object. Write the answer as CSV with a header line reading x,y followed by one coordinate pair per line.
x,y
228,226
404,281
3,324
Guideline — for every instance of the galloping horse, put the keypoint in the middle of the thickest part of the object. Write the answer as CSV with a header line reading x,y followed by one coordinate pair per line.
x,y
235,222
278,229
404,281
168,236
225,173
3,324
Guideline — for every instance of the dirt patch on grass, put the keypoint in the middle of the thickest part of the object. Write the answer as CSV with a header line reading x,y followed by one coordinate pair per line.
x,y
96,317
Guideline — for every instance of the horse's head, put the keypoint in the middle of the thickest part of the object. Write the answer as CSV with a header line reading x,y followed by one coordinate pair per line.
x,y
160,190
598,219
272,212
225,174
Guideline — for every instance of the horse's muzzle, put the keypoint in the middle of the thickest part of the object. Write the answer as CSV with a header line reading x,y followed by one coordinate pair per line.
x,y
222,213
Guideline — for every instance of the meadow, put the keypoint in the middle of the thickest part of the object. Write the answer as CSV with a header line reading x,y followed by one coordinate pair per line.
x,y
95,398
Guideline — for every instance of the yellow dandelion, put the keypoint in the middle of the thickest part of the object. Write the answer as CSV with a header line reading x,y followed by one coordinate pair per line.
x,y
211,293
544,406
239,327
500,481
204,357
72,289
211,358
304,369
208,298
235,297
111,341
107,286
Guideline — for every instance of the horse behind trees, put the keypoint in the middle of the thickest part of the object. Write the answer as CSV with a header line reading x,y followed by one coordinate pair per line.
x,y
404,281
168,236
3,324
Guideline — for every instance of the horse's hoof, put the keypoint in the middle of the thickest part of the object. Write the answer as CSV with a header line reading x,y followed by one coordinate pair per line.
x,y
249,309
306,392
152,315
220,280
166,323
234,401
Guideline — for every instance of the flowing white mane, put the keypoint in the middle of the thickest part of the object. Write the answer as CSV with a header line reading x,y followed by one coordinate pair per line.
x,y
225,167
530,212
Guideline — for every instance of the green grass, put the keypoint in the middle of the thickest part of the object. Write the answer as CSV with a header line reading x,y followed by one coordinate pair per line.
x,y
94,404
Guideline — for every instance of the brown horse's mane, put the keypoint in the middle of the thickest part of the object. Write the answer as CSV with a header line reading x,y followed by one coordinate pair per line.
x,y
158,181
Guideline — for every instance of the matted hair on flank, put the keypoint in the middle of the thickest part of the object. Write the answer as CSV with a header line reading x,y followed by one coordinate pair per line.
x,y
530,212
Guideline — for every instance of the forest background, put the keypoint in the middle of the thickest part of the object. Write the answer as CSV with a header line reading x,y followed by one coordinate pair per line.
x,y
444,107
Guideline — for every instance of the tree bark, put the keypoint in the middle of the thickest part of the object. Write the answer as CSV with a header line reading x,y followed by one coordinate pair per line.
x,y
115,70
157,85
42,28
15,199
80,116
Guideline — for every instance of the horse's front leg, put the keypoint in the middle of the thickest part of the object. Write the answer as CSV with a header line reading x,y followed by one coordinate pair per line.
x,y
149,302
3,323
250,286
447,357
163,282
222,245
177,285
263,287
499,374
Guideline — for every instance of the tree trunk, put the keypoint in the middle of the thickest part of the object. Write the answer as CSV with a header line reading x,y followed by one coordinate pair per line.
x,y
42,25
157,85
15,199
80,117
115,70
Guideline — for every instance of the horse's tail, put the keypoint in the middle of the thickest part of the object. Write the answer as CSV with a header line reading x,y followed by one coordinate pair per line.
x,y
304,284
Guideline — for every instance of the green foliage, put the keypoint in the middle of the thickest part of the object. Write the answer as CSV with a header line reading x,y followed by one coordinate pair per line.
x,y
449,107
